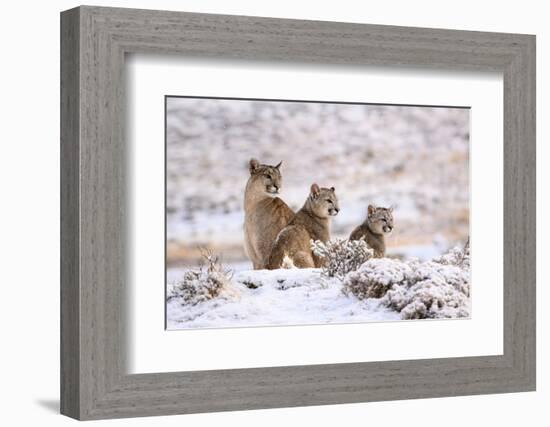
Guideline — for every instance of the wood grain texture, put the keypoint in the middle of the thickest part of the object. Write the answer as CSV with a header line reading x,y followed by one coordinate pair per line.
x,y
70,292
94,270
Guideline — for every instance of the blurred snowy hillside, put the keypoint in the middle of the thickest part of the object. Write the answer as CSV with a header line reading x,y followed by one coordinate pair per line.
x,y
414,158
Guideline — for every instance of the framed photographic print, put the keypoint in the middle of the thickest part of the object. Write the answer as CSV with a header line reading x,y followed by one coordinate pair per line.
x,y
262,213
290,262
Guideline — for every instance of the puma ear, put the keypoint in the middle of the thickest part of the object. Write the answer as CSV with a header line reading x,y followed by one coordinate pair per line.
x,y
391,209
371,209
253,165
315,190
332,189
279,165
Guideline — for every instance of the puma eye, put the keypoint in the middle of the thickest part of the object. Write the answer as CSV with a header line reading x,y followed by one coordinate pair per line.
x,y
330,201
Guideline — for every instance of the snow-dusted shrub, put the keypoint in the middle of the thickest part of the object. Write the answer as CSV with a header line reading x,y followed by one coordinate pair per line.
x,y
203,284
434,289
341,255
375,277
456,256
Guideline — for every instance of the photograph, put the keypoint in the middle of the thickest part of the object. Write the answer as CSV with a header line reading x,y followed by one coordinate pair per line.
x,y
300,212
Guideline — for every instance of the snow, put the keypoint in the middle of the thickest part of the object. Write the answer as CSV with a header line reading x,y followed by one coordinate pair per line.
x,y
439,288
380,289
282,297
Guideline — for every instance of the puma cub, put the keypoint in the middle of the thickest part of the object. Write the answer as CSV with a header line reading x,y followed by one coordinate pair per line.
x,y
379,222
265,214
310,223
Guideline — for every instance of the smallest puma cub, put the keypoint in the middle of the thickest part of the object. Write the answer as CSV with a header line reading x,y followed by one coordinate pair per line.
x,y
379,222
312,222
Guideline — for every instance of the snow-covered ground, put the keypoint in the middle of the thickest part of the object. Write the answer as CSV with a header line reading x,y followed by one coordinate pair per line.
x,y
366,291
279,297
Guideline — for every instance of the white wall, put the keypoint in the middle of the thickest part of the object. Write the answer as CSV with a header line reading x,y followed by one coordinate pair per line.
x,y
29,229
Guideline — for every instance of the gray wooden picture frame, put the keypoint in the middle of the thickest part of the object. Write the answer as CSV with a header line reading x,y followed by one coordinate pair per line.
x,y
94,381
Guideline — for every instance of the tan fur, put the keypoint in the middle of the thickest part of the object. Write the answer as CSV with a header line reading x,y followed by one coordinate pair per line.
x,y
265,215
377,225
312,222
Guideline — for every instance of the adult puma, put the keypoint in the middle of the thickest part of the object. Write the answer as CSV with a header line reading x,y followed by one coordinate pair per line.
x,y
265,214
312,222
